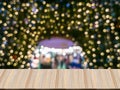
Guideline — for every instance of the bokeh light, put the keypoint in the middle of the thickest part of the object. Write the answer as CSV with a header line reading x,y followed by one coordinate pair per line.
x,y
94,24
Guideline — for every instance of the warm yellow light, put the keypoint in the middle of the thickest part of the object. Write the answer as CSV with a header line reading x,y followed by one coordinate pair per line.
x,y
88,52
107,9
80,4
79,10
8,63
4,3
5,24
62,14
118,58
111,64
98,42
94,60
117,37
93,49
86,33
9,6
102,54
91,64
94,55
107,50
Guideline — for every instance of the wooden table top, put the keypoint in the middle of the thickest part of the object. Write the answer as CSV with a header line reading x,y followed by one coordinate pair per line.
x,y
59,79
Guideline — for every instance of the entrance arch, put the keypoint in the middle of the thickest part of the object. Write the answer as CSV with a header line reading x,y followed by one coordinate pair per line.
x,y
48,49
56,42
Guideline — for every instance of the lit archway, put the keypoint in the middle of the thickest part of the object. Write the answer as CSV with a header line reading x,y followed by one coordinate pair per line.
x,y
57,46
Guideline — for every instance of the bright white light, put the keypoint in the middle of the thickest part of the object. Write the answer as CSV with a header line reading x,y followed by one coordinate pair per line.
x,y
47,55
34,65
45,50
36,61
36,51
37,55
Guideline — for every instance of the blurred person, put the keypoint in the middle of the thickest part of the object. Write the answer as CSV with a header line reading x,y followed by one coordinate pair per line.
x,y
60,62
74,62
46,62
70,58
67,61
85,63
34,62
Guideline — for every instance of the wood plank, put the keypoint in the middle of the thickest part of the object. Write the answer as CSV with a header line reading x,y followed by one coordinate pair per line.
x,y
4,78
60,79
1,72
115,74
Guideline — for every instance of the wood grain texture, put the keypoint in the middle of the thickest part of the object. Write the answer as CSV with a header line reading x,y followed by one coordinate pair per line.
x,y
60,79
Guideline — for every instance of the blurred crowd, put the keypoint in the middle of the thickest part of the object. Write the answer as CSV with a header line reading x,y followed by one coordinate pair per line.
x,y
50,60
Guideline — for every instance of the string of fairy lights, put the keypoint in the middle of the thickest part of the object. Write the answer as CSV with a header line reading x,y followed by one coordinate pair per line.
x,y
93,24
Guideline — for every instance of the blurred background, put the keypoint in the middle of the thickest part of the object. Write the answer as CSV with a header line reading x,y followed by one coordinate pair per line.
x,y
59,34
